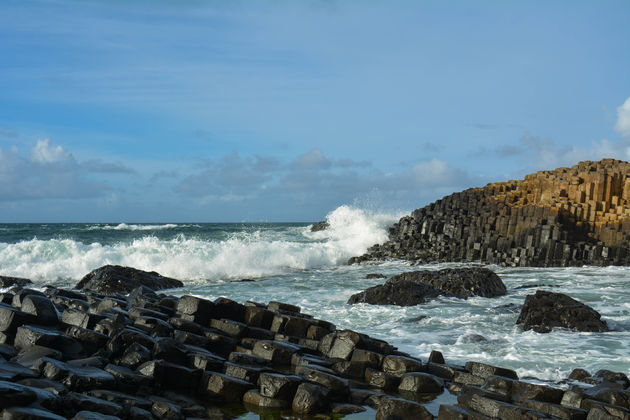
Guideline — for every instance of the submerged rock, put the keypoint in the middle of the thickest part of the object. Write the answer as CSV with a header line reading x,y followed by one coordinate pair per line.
x,y
418,287
545,310
118,279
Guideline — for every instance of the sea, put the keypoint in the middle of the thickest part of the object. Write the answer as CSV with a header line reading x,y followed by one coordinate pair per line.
x,y
289,263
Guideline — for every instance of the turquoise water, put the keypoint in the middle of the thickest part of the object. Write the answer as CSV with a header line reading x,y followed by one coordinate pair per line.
x,y
291,264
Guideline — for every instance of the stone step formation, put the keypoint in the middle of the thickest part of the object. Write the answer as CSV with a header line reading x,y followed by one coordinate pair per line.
x,y
143,355
565,217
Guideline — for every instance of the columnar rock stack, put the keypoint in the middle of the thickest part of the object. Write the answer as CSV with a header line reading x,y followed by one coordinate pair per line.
x,y
568,216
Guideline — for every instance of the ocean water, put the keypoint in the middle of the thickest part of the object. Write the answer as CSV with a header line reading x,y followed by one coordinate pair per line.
x,y
291,264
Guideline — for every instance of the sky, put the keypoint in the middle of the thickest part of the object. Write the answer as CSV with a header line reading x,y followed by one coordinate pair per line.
x,y
263,111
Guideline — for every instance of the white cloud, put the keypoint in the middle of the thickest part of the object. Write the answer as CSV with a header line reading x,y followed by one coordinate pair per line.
x,y
43,152
623,119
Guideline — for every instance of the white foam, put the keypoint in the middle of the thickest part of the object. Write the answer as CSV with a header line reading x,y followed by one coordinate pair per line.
x,y
125,226
243,254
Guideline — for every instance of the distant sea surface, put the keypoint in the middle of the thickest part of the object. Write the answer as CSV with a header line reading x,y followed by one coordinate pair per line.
x,y
291,264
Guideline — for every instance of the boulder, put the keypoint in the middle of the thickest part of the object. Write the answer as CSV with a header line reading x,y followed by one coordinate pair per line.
x,y
418,287
402,293
118,279
545,310
316,227
6,281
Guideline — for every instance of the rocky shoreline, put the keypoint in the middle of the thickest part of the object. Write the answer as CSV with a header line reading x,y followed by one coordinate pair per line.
x,y
565,217
141,354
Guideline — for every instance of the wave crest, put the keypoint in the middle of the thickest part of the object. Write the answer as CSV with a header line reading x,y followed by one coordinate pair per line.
x,y
261,253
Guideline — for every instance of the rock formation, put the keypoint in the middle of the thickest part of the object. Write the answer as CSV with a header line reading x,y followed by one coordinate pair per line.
x,y
118,279
565,217
66,354
416,287
545,310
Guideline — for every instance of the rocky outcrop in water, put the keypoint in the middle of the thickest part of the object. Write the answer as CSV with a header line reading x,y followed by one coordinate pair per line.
x,y
67,354
118,279
545,310
416,287
320,226
565,217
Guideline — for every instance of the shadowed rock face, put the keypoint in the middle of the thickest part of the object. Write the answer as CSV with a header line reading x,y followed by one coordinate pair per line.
x,y
545,310
568,216
117,279
418,287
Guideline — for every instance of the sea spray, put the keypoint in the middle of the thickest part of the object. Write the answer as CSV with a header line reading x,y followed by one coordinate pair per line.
x,y
190,253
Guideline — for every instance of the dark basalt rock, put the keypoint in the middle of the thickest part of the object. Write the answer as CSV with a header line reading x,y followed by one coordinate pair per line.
x,y
118,279
6,281
545,310
320,226
153,356
401,293
416,287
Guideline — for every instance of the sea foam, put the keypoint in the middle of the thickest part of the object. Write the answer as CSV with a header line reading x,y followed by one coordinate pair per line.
x,y
198,259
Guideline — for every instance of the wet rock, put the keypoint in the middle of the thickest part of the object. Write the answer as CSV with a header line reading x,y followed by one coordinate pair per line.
x,y
229,309
421,383
275,352
118,279
345,409
29,335
610,376
375,276
418,287
6,281
400,293
484,370
83,402
254,398
579,374
399,365
279,386
398,408
311,398
75,377
382,380
14,394
80,318
29,356
12,318
319,226
128,380
196,309
22,293
171,376
338,387
256,316
29,413
41,308
545,310
166,410
225,387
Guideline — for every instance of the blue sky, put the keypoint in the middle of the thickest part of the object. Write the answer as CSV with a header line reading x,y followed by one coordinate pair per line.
x,y
282,111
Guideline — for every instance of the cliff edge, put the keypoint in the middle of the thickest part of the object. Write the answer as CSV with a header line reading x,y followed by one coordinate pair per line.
x,y
564,217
